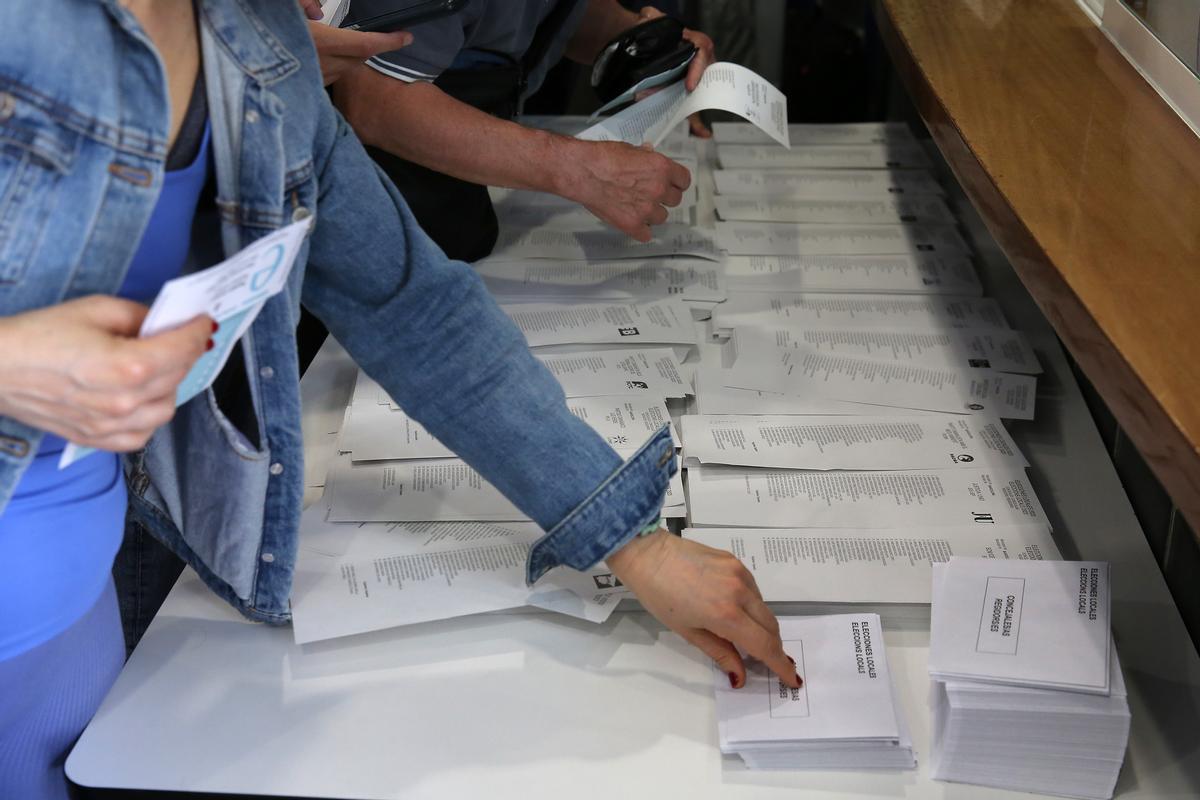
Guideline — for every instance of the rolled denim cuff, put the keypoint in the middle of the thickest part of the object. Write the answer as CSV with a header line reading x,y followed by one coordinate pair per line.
x,y
612,515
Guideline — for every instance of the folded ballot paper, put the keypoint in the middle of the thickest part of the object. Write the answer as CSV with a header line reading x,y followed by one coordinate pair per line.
x,y
845,716
1027,691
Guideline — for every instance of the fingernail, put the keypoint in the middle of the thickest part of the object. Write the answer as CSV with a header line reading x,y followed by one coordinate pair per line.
x,y
799,680
216,326
733,682
211,344
789,658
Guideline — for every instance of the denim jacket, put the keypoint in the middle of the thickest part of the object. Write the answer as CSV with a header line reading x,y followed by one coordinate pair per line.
x,y
83,140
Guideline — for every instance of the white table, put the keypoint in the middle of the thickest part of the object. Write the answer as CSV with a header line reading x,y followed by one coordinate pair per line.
x,y
531,705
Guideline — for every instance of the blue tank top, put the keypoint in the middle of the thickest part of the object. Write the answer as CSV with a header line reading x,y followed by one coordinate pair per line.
x,y
61,530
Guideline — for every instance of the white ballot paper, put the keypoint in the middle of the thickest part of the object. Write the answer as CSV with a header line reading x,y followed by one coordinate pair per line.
x,y
834,211
231,293
627,324
762,498
519,198
857,443
823,184
535,280
384,433
1044,625
890,383
869,566
514,212
844,716
724,87
894,274
714,397
805,134
857,311
644,372
601,244
795,239
1002,350
444,490
890,155
418,580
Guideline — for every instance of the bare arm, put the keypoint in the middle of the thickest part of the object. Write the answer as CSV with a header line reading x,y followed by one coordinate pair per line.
x,y
627,187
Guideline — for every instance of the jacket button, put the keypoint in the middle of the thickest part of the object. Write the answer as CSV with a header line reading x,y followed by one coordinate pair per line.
x,y
268,557
8,104
266,373
301,213
251,116
276,468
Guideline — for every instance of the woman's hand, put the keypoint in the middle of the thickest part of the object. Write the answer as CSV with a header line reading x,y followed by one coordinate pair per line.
x,y
78,370
341,49
705,55
707,597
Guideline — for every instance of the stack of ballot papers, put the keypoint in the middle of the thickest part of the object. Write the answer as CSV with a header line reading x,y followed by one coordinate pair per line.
x,y
844,716
1027,691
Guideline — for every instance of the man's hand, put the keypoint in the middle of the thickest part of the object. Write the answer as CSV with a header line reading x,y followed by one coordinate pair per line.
x,y
705,55
78,370
342,50
628,187
707,597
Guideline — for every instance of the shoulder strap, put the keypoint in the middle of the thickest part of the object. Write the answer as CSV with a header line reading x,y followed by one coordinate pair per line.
x,y
551,25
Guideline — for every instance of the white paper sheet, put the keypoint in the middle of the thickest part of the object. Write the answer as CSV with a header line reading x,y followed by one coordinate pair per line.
x,y
795,239
1037,624
231,293
383,433
602,244
847,691
857,311
890,155
868,565
823,184
333,597
514,213
724,86
745,497
855,443
656,323
894,274
804,134
890,383
445,490
648,372
536,280
1005,351
884,211
714,397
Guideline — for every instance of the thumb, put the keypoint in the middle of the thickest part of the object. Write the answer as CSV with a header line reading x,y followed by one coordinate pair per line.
x,y
722,652
372,43
179,346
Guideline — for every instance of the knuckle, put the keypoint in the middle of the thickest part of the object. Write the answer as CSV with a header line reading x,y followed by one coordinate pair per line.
x,y
132,371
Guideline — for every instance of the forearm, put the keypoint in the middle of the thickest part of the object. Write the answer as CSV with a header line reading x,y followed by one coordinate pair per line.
x,y
602,22
421,123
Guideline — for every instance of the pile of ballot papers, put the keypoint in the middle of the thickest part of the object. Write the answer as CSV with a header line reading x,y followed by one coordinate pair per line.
x,y
1027,690
844,716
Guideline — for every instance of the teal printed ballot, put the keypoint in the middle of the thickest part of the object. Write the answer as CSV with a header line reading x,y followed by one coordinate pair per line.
x,y
232,293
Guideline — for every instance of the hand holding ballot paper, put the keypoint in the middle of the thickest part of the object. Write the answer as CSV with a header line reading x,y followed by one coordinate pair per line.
x,y
231,294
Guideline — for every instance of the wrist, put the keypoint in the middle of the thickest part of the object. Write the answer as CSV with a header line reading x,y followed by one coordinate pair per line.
x,y
640,552
563,174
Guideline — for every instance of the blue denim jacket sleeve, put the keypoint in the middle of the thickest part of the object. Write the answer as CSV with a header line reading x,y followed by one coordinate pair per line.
x,y
428,331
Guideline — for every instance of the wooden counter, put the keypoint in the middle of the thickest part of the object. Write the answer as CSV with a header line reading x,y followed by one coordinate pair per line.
x,y
1090,184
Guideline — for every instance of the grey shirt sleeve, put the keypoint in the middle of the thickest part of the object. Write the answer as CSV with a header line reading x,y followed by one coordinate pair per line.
x,y
435,43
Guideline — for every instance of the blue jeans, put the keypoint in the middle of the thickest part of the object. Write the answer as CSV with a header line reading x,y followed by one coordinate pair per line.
x,y
49,694
144,572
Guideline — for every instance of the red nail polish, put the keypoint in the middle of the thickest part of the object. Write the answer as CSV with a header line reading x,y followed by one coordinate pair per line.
x,y
216,326
733,681
799,680
211,344
789,658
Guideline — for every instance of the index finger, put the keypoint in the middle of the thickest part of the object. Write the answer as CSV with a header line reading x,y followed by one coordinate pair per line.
x,y
679,176
767,647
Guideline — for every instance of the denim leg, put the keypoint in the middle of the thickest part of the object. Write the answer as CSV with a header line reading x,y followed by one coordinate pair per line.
x,y
144,572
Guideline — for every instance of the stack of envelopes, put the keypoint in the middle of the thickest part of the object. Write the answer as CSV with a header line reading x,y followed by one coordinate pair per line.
x,y
845,715
1027,691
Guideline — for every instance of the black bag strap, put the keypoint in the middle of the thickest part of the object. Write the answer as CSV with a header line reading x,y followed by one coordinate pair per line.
x,y
551,25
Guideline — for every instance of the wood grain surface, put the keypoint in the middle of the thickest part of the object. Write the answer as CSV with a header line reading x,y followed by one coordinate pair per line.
x,y
1091,186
